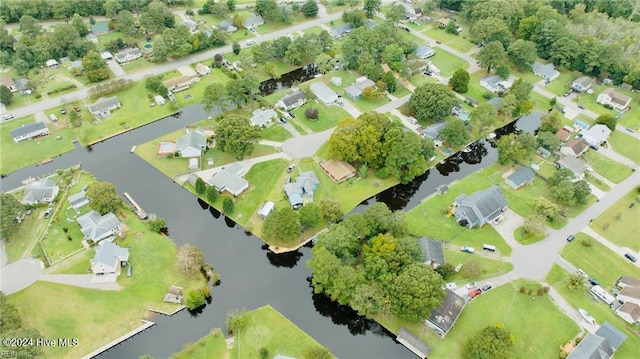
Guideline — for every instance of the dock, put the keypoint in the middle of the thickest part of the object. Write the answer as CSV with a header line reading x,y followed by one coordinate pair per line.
x,y
139,211
147,324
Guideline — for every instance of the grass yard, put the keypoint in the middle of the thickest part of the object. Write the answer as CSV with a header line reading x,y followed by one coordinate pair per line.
x,y
365,105
110,36
55,87
589,100
430,219
25,238
456,42
276,133
447,62
212,345
19,100
563,83
614,171
267,328
490,267
625,145
271,26
137,65
557,277
74,312
520,315
598,261
596,182
420,79
328,116
622,231
526,239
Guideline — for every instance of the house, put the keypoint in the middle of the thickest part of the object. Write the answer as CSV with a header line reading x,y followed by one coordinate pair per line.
x,y
23,86
495,83
418,11
563,134
266,209
323,93
262,117
627,281
202,70
106,55
341,30
253,21
292,100
226,26
520,178
174,295
42,191
178,84
424,52
100,27
230,180
601,345
480,208
338,170
187,71
92,38
432,132
51,63
109,259
159,100
630,312
443,318
612,334
103,107
596,135
29,131
575,165
443,22
548,72
496,102
575,147
413,343
8,82
192,143
354,91
432,253
616,100
629,295
302,190
190,25
76,65
542,152
78,200
96,227
128,55
581,125
581,84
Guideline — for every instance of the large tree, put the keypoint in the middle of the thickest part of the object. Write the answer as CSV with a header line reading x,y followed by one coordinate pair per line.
x,y
490,29
189,259
10,208
78,23
455,133
522,53
309,8
484,115
235,135
491,342
95,67
283,225
331,210
416,292
459,82
431,102
214,95
103,197
370,7
512,148
5,95
125,22
608,121
492,55
310,215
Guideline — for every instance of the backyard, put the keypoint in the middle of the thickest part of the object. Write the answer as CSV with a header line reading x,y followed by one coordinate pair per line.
x,y
614,171
212,345
619,223
328,116
447,62
455,41
625,145
490,267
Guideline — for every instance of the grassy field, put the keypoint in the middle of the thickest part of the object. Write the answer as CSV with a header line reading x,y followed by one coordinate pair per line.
x,y
328,116
490,267
75,312
562,84
625,145
520,315
557,277
614,171
137,65
622,231
212,345
276,133
456,42
596,182
25,238
525,239
447,62
267,328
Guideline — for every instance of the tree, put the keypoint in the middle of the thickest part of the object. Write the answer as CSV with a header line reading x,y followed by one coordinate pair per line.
x,y
503,71
228,206
309,8
125,22
235,48
5,95
455,133
10,209
212,194
459,82
189,259
214,95
533,227
156,225
491,342
432,102
490,29
236,320
201,186
30,27
324,63
416,292
103,197
393,54
608,121
484,115
545,209
111,8
355,17
452,28
551,122
160,50
283,225
310,215
370,7
235,135
581,192
492,55
521,90
231,5
548,140
576,282
195,299
512,148
395,13
446,270
405,155
311,113
390,80
78,23
95,67
331,210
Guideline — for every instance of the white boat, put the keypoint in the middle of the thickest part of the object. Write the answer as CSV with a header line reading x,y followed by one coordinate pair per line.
x,y
133,149
491,136
586,316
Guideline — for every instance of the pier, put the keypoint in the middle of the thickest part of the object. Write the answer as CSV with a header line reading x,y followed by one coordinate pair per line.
x,y
139,211
147,324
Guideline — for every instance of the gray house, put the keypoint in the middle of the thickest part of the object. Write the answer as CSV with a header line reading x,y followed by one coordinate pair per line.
x,y
42,191
424,52
548,72
354,91
109,259
302,190
432,253
226,26
325,94
581,84
78,200
103,107
192,143
520,178
29,131
96,227
292,100
443,318
601,345
341,30
480,208
230,180
252,22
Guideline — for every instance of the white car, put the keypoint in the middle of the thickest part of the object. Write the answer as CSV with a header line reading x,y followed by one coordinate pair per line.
x,y
467,249
472,285
7,117
250,42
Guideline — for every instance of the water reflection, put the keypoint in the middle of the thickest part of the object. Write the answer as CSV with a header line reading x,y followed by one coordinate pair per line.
x,y
397,197
229,222
214,212
282,260
287,80
344,315
203,204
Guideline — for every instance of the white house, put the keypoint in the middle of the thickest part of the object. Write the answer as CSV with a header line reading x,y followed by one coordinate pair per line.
x,y
103,107
128,55
42,191
324,94
29,131
547,72
612,98
203,70
192,143
178,84
230,180
51,63
424,52
596,135
252,22
262,117
109,259
581,84
96,227
495,83
292,100
266,209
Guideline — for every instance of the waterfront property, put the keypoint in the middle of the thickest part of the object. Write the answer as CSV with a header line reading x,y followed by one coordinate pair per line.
x,y
230,180
96,227
103,107
78,200
324,94
432,253
302,190
520,178
27,132
109,259
413,343
266,209
192,144
339,171
292,101
443,318
480,208
42,191
178,84
262,117
355,90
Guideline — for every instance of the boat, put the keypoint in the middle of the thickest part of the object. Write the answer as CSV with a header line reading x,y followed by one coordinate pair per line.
x,y
133,149
588,318
491,136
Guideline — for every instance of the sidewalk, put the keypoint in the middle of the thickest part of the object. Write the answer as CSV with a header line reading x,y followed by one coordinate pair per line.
x,y
570,311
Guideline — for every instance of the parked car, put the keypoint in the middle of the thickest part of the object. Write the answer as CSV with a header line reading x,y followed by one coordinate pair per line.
x,y
292,114
594,281
283,120
467,249
291,167
48,212
486,287
582,273
475,293
451,286
571,237
581,107
630,257
250,42
7,117
471,285
171,96
63,111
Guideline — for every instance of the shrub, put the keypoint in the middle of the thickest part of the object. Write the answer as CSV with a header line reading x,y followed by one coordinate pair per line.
x,y
228,206
212,194
587,242
206,292
363,171
487,95
311,113
156,225
236,320
195,299
264,353
200,186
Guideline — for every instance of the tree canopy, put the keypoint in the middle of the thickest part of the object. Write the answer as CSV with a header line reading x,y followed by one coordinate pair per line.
x,y
491,342
432,102
283,225
103,197
10,208
459,82
236,135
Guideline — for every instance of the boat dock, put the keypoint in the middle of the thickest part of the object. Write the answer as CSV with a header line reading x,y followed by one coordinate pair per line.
x,y
139,211
147,324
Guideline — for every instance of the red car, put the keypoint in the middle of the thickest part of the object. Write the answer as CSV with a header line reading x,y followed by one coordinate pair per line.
x,y
475,293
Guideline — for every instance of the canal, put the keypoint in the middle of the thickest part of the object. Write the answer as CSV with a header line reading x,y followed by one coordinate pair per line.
x,y
251,275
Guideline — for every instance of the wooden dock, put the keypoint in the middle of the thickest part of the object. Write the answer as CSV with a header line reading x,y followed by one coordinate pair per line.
x,y
139,211
147,324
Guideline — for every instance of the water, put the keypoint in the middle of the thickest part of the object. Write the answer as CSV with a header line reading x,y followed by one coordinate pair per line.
x,y
251,275
287,80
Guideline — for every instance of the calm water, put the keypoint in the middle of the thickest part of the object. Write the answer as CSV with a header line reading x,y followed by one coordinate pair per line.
x,y
251,275
287,80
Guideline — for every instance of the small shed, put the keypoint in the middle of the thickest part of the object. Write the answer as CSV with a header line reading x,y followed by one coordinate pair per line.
x,y
442,189
266,209
338,170
193,163
336,80
174,295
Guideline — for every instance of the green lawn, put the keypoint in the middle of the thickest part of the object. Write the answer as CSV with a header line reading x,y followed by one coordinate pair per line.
x,y
365,105
137,65
589,101
276,133
55,87
490,267
625,145
580,299
614,171
328,116
212,345
26,236
624,230
447,62
596,182
430,218
526,239
520,315
75,312
563,83
456,42
267,328
540,102
104,39
421,79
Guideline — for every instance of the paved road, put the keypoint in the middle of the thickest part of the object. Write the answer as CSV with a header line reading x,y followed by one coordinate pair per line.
x,y
306,146
20,274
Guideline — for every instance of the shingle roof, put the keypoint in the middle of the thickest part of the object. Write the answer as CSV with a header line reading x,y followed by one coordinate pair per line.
x,y
521,176
577,145
27,129
446,315
433,131
424,51
109,255
104,104
78,200
483,205
576,165
39,190
613,335
229,179
321,90
192,139
632,309
97,227
262,117
633,292
547,70
293,97
592,347
341,29
629,281
431,250
253,21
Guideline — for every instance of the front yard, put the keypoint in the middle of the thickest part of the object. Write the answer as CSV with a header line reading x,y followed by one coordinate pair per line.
x,y
619,223
625,145
328,116
212,345
447,62
614,171
490,267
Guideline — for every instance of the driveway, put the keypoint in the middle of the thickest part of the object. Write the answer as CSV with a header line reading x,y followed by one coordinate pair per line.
x,y
20,274
510,222
349,107
115,67
306,146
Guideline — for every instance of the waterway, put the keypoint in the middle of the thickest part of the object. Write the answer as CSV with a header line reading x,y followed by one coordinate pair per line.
x,y
287,80
251,275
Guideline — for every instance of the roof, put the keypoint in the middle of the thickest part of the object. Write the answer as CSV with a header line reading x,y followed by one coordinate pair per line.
x,y
109,255
563,134
78,200
581,124
133,51
266,208
338,170
492,80
104,104
39,190
293,97
304,185
363,82
574,164
76,64
628,280
187,71
27,129
431,250
414,341
521,176
577,145
226,25
353,90
446,315
616,97
341,29
424,51
229,179
322,91
176,81
495,102
592,347
613,335
235,168
632,292
97,227
51,62
188,24
583,81
7,81
262,117
596,134
632,309
443,21
22,83
253,21
102,26
433,131
482,205
192,139
547,70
